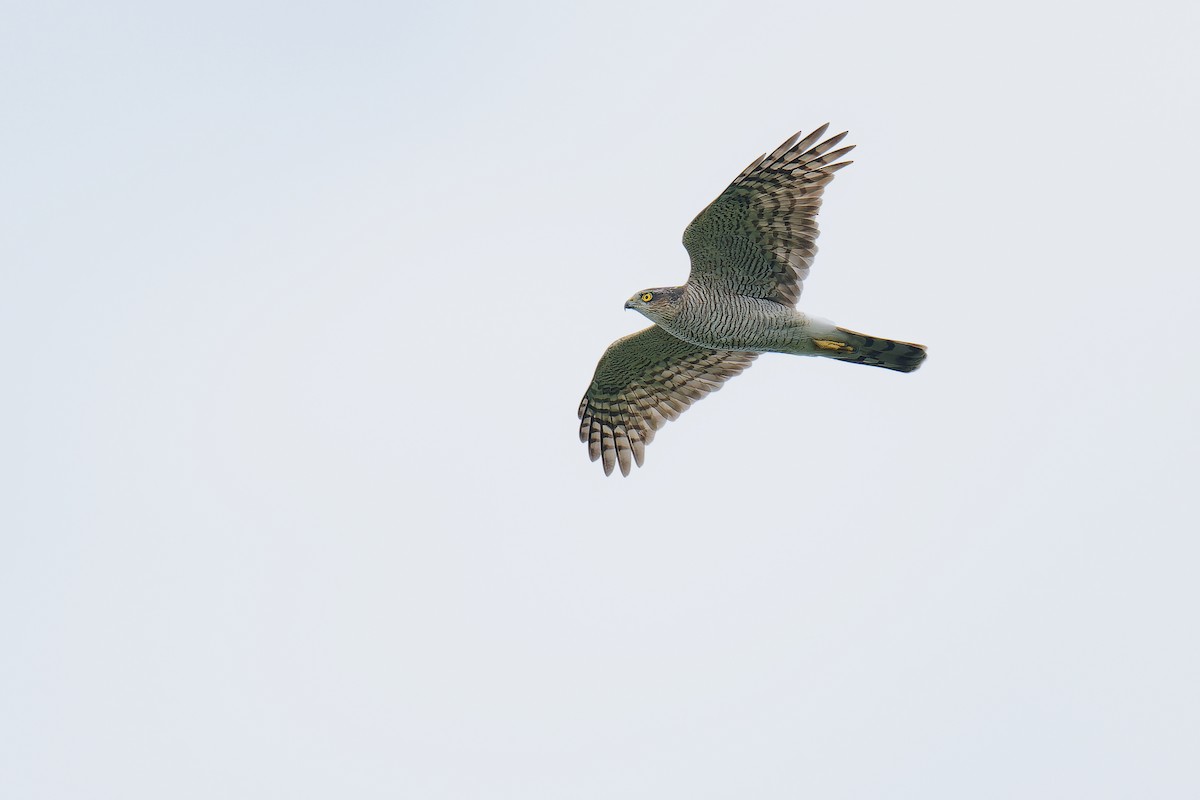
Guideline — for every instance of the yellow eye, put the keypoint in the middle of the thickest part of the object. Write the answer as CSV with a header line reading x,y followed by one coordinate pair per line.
x,y
647,297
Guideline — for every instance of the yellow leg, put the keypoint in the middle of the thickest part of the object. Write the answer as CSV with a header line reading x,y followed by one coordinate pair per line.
x,y
826,344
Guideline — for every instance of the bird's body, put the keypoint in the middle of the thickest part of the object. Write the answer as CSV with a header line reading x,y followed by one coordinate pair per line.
x,y
727,321
750,250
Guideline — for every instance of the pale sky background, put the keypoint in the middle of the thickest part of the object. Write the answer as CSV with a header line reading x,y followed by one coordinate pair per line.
x,y
298,303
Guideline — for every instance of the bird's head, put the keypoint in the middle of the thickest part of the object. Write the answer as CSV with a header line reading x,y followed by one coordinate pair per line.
x,y
657,304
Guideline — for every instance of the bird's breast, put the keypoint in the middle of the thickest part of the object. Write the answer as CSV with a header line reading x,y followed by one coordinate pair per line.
x,y
733,322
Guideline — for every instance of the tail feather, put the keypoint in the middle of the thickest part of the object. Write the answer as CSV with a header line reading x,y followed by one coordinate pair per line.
x,y
876,352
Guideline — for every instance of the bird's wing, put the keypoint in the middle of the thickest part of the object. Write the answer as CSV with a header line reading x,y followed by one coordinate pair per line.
x,y
642,381
758,238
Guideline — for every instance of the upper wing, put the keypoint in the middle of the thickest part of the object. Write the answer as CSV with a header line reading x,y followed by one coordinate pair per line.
x,y
758,238
642,381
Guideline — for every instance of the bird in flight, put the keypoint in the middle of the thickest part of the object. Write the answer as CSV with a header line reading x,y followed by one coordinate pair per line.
x,y
750,250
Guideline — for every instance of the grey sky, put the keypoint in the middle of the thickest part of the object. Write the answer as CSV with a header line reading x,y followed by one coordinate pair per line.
x,y
297,307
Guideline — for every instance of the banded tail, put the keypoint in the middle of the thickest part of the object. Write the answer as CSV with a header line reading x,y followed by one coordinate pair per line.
x,y
858,348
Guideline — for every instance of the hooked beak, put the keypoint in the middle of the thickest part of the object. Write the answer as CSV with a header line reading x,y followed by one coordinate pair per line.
x,y
628,304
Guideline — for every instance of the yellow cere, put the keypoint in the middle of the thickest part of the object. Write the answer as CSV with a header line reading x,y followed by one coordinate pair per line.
x,y
647,297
